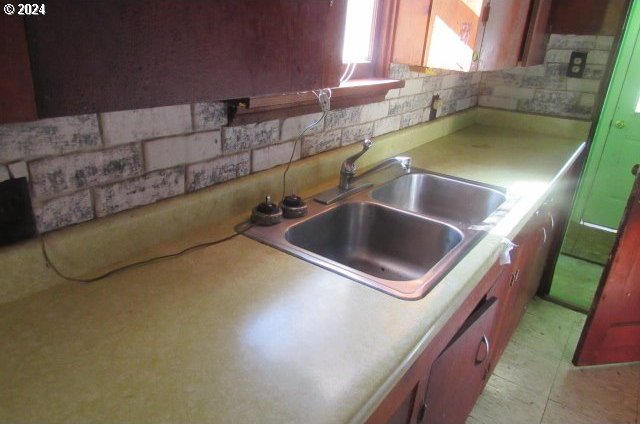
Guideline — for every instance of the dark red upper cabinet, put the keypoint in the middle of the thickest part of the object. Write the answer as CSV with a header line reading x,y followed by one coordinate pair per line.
x,y
91,56
17,102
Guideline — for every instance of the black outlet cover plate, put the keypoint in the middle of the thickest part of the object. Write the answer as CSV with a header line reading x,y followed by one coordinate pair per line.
x,y
16,216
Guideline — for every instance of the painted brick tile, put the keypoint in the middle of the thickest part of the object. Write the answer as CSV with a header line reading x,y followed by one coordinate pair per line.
x,y
549,82
357,133
275,155
583,85
72,172
558,56
250,136
386,125
412,118
45,137
142,124
19,170
498,102
138,191
393,93
604,42
431,83
514,92
63,211
407,104
412,86
467,103
318,143
340,118
221,169
572,42
597,57
556,103
293,127
374,111
4,173
172,151
209,116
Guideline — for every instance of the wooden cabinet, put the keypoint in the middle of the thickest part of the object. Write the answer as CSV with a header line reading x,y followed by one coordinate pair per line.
x,y
88,57
17,101
444,383
459,374
470,35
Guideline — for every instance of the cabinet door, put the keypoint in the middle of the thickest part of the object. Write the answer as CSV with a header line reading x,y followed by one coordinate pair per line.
x,y
454,34
411,31
459,374
503,34
505,290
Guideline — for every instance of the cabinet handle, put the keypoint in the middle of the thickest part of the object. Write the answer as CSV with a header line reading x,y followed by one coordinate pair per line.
x,y
514,278
484,340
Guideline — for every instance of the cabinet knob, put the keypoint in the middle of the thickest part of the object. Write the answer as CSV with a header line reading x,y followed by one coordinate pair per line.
x,y
422,412
620,124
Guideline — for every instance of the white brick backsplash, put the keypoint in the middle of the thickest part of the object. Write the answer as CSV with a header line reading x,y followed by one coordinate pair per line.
x,y
476,77
209,116
143,190
386,125
250,136
558,56
498,102
357,133
597,57
393,93
45,137
19,170
571,42
583,85
142,124
72,172
412,86
321,142
221,169
340,118
172,151
63,211
535,71
412,118
275,155
4,173
604,42
374,111
514,92
293,127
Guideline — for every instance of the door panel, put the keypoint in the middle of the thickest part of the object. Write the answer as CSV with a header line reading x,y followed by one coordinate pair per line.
x,y
612,331
612,181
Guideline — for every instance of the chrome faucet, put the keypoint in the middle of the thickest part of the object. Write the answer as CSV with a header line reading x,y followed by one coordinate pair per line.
x,y
348,169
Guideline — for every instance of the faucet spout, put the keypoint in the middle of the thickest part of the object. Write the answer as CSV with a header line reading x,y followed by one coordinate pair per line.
x,y
348,169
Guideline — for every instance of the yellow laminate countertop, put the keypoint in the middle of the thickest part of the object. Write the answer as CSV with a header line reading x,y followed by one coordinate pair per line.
x,y
241,332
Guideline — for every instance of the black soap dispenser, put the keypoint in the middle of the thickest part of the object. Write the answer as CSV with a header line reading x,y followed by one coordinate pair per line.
x,y
266,213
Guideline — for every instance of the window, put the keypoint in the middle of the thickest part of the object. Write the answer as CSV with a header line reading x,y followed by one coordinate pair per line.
x,y
365,50
359,31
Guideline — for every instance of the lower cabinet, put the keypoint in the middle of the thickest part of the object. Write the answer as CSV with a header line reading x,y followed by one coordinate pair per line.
x,y
444,383
458,375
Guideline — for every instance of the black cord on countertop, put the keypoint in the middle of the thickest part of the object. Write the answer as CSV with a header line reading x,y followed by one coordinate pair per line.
x,y
139,263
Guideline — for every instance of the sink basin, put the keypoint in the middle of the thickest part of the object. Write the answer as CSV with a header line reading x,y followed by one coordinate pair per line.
x,y
377,240
441,197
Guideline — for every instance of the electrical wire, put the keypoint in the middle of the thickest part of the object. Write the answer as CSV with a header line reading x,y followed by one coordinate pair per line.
x,y
134,264
324,99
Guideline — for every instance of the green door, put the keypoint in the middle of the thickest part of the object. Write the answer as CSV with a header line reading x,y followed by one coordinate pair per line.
x,y
617,137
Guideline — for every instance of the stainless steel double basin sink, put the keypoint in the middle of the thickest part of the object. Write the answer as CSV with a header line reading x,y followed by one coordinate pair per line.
x,y
400,236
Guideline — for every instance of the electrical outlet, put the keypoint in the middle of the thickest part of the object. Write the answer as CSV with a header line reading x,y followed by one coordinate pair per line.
x,y
436,103
16,217
577,63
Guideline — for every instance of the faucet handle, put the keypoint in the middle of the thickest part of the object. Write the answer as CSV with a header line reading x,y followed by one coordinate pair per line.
x,y
366,144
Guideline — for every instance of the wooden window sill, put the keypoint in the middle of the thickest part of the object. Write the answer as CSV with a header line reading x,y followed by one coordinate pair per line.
x,y
277,106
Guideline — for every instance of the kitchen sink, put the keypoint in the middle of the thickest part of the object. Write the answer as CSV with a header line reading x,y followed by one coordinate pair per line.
x,y
441,197
376,240
400,235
